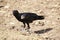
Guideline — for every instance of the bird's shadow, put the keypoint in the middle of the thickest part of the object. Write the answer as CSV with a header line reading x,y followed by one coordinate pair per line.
x,y
43,31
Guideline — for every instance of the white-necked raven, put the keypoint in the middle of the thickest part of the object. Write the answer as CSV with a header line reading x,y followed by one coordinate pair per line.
x,y
26,17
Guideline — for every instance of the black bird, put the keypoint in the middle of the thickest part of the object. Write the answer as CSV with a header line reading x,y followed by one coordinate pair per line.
x,y
26,17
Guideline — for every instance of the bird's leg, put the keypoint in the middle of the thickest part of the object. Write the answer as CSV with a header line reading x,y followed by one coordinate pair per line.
x,y
28,26
24,24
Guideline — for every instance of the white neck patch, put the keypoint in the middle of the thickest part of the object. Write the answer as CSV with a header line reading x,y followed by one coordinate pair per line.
x,y
22,17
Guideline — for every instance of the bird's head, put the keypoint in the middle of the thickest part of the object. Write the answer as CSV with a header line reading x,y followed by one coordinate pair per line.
x,y
15,12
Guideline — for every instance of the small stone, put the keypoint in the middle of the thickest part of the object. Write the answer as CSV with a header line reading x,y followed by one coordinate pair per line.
x,y
12,27
39,23
1,0
17,29
5,38
11,23
7,6
42,24
58,18
36,23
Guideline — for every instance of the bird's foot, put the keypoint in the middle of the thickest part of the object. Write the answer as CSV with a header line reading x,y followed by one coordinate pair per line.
x,y
28,28
28,31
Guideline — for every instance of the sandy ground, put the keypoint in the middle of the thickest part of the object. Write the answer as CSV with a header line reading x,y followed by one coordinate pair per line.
x,y
47,29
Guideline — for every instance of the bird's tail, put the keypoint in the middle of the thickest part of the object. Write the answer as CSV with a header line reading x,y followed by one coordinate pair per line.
x,y
40,17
